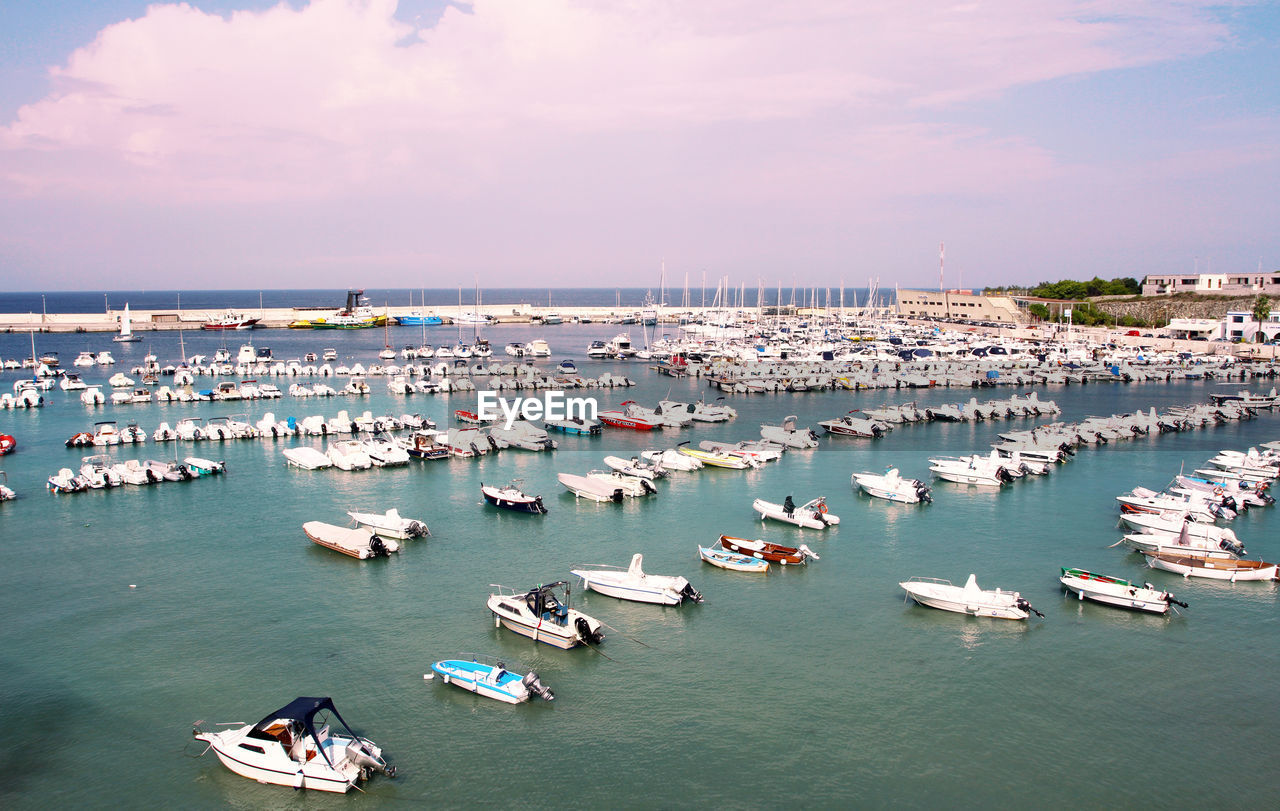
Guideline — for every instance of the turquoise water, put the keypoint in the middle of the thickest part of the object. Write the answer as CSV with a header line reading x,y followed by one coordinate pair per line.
x,y
815,685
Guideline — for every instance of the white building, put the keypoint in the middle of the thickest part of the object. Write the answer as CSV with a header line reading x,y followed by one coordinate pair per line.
x,y
1227,284
1240,326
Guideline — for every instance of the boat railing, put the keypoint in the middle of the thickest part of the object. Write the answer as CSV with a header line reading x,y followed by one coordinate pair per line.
x,y
934,580
597,566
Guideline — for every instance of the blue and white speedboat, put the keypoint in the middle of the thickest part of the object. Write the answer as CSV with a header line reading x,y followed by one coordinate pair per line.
x,y
567,367
490,678
577,425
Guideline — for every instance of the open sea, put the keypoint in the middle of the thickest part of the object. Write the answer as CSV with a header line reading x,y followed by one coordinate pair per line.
x,y
813,686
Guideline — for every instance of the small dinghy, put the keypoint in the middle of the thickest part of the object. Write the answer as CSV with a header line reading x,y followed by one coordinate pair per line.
x,y
633,584
390,524
544,615
772,552
297,746
812,515
968,599
732,560
1191,565
892,487
1116,592
491,679
512,498
358,543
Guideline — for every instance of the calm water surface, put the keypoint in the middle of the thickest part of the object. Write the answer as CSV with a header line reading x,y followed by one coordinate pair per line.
x,y
813,686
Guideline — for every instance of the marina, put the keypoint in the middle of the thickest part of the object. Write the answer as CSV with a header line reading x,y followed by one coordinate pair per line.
x,y
163,598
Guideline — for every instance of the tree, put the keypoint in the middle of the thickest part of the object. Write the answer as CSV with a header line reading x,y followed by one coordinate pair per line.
x,y
1038,310
1261,310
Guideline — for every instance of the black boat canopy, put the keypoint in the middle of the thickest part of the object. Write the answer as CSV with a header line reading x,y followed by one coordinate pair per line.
x,y
304,710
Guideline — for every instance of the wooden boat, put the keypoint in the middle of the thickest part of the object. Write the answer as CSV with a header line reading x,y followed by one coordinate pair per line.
x,y
732,560
772,552
358,543
1212,568
1116,592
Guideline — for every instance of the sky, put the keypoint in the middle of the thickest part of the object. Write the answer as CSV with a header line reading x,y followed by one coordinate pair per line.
x,y
595,143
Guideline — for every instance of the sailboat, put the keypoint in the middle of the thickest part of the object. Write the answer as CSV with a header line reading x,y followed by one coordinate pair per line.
x,y
387,353
126,328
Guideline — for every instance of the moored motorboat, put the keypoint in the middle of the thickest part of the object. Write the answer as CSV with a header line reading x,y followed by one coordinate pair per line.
x,y
358,543
968,599
390,524
812,514
512,498
307,458
892,487
593,489
577,425
732,561
204,467
290,747
492,679
544,614
625,416
1116,592
772,552
725,460
632,583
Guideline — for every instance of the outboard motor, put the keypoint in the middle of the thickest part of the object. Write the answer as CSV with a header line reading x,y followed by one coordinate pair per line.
x,y
1232,547
587,635
378,548
535,686
1022,603
360,753
924,493
690,593
617,495
415,529
647,486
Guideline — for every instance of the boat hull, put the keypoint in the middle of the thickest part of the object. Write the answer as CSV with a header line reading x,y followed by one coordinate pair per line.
x,y
1116,595
732,561
1212,568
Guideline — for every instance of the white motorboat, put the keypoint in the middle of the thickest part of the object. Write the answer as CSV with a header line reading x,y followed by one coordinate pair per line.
x,y
6,492
757,451
672,459
67,480
593,489
537,348
632,583
788,436
968,599
630,485
1116,592
348,454
205,467
1183,543
97,471
634,467
855,424
1154,523
892,487
544,615
1142,499
725,460
713,412
390,524
296,746
525,435
358,543
491,679
306,458
384,452
983,471
812,514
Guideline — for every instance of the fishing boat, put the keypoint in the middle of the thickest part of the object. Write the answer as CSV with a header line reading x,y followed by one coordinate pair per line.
x,y
358,543
593,489
126,334
543,614
512,498
632,583
812,514
892,487
732,561
968,599
1116,592
1188,564
390,524
297,746
306,458
772,552
491,678
229,320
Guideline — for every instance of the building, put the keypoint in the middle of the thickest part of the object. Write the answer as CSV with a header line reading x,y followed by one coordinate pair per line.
x,y
1193,329
1225,284
1240,326
959,305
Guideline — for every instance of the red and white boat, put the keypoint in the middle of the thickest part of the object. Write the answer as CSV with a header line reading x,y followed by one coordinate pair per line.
x,y
230,320
627,417
471,418
7,444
